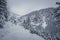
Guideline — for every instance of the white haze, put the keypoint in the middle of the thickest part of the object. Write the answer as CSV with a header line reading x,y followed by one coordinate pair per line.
x,y
23,7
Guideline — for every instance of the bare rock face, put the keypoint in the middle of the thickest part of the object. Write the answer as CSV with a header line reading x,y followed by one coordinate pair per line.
x,y
3,12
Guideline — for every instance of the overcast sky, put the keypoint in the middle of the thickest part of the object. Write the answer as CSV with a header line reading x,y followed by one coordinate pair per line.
x,y
23,7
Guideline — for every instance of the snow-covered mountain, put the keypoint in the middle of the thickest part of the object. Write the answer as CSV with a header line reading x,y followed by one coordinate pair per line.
x,y
44,23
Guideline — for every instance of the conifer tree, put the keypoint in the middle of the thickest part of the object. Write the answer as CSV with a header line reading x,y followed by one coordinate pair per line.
x,y
3,12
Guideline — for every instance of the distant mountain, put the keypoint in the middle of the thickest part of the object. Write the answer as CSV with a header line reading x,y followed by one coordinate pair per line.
x,y
14,18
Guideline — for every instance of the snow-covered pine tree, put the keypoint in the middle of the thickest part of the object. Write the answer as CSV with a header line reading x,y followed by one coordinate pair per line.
x,y
3,12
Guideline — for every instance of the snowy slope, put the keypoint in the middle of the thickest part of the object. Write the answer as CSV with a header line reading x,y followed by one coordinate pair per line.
x,y
43,23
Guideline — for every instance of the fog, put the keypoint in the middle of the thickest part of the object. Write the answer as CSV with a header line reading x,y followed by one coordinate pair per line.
x,y
23,7
17,32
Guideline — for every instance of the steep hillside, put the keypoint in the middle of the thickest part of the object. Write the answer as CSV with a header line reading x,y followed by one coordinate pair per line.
x,y
44,23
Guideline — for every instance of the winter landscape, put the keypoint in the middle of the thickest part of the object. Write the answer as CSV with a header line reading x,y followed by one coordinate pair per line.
x,y
42,24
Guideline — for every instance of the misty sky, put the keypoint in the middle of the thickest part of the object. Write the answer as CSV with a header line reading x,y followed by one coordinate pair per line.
x,y
23,7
